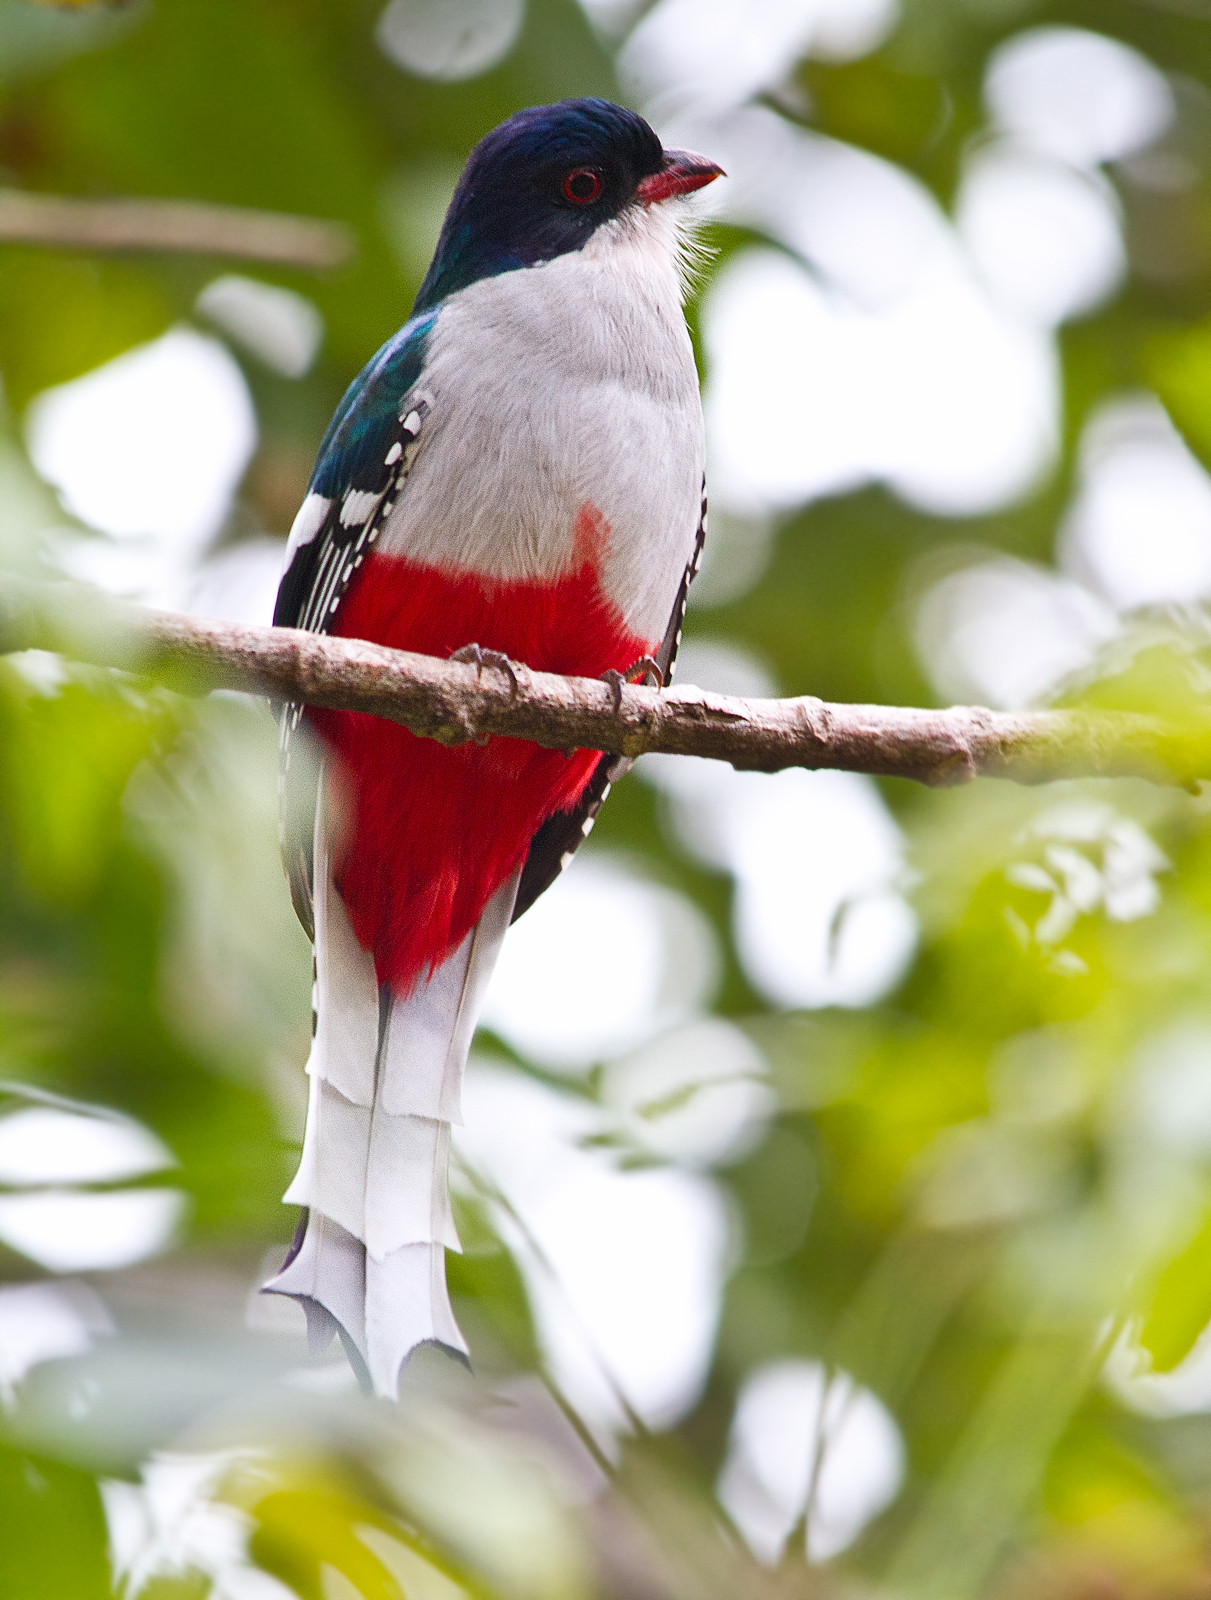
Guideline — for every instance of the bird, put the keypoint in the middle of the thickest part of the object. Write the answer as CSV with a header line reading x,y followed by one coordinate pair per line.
x,y
516,476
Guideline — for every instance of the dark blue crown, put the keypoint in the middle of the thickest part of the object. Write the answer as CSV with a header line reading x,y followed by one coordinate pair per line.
x,y
511,207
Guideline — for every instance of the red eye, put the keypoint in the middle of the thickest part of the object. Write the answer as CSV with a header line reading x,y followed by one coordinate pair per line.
x,y
582,186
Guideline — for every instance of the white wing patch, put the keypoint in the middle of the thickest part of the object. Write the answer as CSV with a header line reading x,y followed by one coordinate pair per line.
x,y
308,522
358,506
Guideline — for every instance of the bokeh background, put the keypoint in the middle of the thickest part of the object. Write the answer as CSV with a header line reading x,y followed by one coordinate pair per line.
x,y
836,1179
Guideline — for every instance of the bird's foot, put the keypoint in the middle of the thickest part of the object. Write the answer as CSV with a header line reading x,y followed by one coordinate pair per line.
x,y
476,656
644,671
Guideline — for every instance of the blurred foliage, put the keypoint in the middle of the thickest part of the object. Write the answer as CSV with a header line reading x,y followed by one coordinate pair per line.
x,y
963,1201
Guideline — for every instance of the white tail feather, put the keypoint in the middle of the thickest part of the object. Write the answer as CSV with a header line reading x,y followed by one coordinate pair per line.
x,y
384,1091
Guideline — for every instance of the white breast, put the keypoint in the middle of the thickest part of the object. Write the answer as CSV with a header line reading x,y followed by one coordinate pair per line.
x,y
554,387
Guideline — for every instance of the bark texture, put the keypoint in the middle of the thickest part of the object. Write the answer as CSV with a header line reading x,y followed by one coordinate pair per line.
x,y
451,702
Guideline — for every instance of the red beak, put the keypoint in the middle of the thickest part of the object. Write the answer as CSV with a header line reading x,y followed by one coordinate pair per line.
x,y
682,173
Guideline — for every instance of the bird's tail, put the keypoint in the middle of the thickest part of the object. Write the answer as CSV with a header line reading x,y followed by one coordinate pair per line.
x,y
368,1262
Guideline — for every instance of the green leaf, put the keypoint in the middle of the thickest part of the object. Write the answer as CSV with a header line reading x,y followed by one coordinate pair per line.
x,y
300,1532
1181,1303
1178,362
53,1537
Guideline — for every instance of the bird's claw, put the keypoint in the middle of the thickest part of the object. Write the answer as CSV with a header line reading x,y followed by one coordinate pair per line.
x,y
615,679
641,671
476,656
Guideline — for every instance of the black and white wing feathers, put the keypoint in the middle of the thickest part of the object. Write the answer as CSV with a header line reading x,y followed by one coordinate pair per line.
x,y
363,464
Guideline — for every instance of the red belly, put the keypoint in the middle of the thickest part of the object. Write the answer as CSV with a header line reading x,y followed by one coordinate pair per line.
x,y
433,832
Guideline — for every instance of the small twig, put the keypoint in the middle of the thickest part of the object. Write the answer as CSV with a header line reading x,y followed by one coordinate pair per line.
x,y
451,702
176,225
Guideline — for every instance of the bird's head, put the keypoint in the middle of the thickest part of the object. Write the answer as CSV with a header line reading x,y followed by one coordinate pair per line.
x,y
543,183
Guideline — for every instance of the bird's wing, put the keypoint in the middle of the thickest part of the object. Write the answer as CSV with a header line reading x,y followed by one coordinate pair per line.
x,y
363,463
555,843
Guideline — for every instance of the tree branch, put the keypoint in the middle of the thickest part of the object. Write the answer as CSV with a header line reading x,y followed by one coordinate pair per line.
x,y
176,225
453,702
